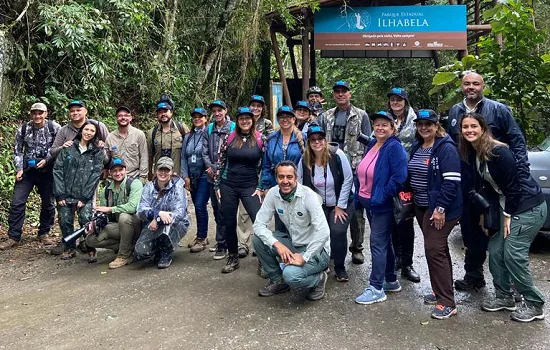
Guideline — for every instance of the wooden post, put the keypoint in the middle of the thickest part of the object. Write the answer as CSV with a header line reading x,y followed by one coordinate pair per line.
x,y
292,59
312,59
280,67
305,60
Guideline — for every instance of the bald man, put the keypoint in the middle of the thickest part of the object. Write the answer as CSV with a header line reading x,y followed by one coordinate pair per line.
x,y
505,129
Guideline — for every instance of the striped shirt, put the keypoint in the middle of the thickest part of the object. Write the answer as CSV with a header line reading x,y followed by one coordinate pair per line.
x,y
418,171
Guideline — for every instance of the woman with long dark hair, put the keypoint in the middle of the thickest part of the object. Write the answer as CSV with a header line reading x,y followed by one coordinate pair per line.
x,y
76,175
522,210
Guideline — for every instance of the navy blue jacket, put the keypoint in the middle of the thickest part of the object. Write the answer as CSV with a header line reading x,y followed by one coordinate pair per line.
x,y
503,126
390,173
444,177
274,154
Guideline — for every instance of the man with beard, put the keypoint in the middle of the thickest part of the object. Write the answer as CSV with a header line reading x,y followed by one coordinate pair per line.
x,y
505,129
296,258
166,138
129,144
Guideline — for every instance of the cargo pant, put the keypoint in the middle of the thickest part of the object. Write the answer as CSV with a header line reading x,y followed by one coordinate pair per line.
x,y
118,236
66,219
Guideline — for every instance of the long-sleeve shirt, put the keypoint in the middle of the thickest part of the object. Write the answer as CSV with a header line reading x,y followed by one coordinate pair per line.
x,y
132,149
35,144
121,201
303,217
68,132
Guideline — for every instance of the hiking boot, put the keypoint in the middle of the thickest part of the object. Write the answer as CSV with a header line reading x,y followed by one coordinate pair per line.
x,y
92,255
467,285
68,254
57,250
409,273
318,292
341,275
213,249
357,258
200,245
392,287
120,261
192,243
9,244
261,271
371,295
232,263
430,299
165,260
220,254
243,252
497,304
441,312
47,239
273,288
528,312
82,247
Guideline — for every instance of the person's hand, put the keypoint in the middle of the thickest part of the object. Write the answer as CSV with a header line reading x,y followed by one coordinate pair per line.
x,y
283,252
209,171
297,260
219,195
62,203
341,214
104,209
438,220
153,226
80,204
68,144
187,184
41,164
19,175
482,225
507,223
165,217
260,194
100,144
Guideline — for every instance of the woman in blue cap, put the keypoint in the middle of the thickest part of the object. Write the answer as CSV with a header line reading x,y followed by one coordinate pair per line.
x,y
304,116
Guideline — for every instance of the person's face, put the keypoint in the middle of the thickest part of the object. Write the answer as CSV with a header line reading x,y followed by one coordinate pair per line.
x,y
164,174
198,120
317,142
472,87
245,123
471,130
118,173
426,129
286,121
382,129
286,179
123,118
342,96
219,114
88,132
38,117
313,98
256,108
302,114
77,113
397,104
164,116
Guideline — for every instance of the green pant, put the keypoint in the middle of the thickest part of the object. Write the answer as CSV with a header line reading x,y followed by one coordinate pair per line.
x,y
119,236
509,257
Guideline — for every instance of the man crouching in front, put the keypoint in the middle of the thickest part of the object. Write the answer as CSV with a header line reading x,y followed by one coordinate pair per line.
x,y
296,259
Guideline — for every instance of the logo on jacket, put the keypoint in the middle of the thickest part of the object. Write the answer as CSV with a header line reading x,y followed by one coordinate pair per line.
x,y
280,211
300,213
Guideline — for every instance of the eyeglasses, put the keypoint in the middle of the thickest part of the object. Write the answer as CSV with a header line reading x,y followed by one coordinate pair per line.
x,y
316,139
164,170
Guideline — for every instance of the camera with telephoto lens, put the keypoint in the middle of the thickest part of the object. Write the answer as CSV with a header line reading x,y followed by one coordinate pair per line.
x,y
364,139
480,201
97,222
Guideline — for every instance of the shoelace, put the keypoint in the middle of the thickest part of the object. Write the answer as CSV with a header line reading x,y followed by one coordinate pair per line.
x,y
440,307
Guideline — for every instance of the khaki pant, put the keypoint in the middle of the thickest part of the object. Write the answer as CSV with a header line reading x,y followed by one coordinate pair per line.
x,y
244,227
118,236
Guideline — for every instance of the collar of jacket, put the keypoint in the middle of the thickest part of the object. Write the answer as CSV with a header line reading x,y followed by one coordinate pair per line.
x,y
299,192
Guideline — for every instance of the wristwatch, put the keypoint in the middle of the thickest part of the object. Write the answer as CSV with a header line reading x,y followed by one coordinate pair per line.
x,y
440,210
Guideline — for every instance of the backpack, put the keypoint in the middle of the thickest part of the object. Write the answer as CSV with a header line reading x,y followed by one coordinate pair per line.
x,y
211,128
180,127
51,129
259,141
108,191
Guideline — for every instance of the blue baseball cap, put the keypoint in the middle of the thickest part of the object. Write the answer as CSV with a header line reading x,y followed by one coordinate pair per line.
x,y
397,91
382,114
315,129
257,98
428,115
303,104
75,103
199,110
285,110
341,84
244,110
117,162
164,105
218,103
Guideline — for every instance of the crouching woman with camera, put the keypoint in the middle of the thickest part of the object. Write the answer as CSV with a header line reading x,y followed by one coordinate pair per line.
x,y
523,211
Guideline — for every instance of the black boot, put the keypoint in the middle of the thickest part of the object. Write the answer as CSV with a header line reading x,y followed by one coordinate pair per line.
x,y
409,273
232,263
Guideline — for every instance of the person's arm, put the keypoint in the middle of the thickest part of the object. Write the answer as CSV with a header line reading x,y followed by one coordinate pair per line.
x,y
266,174
348,180
145,210
263,218
18,150
366,128
321,231
150,149
504,170
103,131
179,203
398,170
59,191
206,151
268,127
130,207
184,165
143,157
300,171
514,139
449,163
57,145
93,177
221,161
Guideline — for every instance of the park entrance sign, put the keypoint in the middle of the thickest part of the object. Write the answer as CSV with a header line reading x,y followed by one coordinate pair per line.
x,y
387,28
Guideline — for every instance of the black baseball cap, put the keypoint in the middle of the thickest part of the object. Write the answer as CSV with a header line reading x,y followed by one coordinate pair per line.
x,y
117,162
397,91
382,114
218,103
123,108
75,103
341,84
428,115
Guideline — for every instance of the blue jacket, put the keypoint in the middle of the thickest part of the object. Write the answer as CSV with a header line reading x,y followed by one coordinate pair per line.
x,y
274,154
444,177
390,173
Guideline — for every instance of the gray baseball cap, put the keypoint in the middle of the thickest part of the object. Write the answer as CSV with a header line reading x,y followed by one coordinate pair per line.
x,y
39,106
165,162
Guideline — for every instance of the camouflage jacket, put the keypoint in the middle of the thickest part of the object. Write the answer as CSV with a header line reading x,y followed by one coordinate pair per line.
x,y
264,126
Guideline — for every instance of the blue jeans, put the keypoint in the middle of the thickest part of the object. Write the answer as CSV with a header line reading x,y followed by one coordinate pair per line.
x,y
200,196
307,276
381,248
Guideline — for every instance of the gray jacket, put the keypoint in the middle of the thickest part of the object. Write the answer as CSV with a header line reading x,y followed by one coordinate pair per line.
x,y
211,145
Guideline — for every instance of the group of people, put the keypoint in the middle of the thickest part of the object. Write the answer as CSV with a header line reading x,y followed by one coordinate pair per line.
x,y
318,174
